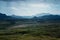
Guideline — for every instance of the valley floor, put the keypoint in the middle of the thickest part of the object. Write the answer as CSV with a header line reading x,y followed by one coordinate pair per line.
x,y
32,32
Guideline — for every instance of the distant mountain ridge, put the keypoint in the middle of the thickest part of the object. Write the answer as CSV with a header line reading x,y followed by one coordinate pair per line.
x,y
45,17
42,14
3,16
48,18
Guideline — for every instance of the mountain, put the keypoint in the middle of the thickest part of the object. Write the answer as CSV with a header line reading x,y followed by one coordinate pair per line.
x,y
3,16
16,17
28,17
42,14
21,17
44,17
48,18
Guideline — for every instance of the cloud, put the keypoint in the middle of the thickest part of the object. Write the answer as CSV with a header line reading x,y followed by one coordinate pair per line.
x,y
40,5
11,0
53,1
14,8
36,1
30,7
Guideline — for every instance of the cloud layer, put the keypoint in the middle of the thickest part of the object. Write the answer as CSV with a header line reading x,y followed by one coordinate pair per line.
x,y
46,1
29,7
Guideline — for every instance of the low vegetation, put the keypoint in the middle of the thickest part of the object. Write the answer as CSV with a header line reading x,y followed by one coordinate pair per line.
x,y
43,31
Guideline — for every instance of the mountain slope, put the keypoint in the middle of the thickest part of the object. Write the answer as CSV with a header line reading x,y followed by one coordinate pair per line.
x,y
49,18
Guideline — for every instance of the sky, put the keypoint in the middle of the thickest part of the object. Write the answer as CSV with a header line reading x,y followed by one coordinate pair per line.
x,y
29,7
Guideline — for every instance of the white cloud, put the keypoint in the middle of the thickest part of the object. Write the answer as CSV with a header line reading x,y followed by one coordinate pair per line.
x,y
30,9
14,8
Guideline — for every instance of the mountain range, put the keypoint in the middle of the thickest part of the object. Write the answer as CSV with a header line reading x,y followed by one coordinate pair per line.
x,y
44,17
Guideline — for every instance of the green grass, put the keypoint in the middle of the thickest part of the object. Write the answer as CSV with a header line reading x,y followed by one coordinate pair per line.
x,y
26,37
33,32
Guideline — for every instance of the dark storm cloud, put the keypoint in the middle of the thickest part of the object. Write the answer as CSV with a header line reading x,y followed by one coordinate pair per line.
x,y
11,0
53,1
48,1
37,1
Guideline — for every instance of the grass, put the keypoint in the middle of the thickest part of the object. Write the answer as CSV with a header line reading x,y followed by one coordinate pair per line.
x,y
33,32
26,37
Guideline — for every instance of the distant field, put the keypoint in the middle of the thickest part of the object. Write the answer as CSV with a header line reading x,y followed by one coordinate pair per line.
x,y
45,31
